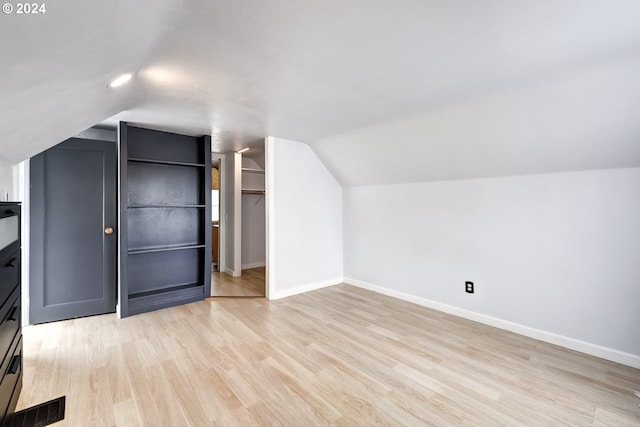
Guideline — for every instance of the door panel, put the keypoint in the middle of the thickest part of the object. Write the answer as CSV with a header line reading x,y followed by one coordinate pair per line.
x,y
73,260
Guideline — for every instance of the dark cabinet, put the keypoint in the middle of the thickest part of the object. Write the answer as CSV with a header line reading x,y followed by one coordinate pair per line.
x,y
10,320
165,226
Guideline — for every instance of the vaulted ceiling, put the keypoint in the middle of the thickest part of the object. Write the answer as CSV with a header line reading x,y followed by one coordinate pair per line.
x,y
427,89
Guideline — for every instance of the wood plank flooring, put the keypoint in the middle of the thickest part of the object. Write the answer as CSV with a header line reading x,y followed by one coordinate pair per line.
x,y
250,284
335,356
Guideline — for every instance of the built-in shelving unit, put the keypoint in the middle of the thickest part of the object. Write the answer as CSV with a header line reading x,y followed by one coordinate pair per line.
x,y
165,206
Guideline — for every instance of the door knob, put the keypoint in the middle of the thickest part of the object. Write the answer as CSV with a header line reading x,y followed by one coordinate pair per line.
x,y
108,230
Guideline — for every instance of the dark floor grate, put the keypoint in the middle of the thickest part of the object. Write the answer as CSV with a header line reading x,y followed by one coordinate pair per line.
x,y
40,415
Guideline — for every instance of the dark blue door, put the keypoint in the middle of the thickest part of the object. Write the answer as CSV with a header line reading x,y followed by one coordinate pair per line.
x,y
73,231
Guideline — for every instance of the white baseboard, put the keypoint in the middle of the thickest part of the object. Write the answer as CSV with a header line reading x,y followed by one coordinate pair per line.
x,y
253,265
229,271
550,337
304,288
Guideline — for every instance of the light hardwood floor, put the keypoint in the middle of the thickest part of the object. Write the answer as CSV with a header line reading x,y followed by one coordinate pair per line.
x,y
250,284
335,356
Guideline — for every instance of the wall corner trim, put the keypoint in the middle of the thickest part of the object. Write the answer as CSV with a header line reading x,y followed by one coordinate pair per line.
x,y
305,288
596,350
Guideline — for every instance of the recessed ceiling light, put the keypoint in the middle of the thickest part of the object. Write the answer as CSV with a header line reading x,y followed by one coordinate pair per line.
x,y
243,150
121,80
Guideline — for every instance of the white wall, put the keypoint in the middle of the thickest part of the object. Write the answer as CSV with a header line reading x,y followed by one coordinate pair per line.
x,y
8,182
557,253
305,210
24,195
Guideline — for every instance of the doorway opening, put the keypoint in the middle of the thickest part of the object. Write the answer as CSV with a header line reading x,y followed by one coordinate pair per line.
x,y
241,269
216,166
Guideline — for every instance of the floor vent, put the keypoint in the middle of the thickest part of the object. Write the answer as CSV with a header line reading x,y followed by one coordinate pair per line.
x,y
40,415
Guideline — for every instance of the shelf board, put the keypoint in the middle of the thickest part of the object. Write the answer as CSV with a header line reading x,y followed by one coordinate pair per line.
x,y
163,249
165,162
164,290
165,206
143,302
252,191
252,170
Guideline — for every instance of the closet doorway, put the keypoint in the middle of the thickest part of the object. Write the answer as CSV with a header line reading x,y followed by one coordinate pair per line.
x,y
217,247
241,267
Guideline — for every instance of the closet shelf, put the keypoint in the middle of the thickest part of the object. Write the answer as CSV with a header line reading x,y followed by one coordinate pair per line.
x,y
164,162
252,191
252,170
163,249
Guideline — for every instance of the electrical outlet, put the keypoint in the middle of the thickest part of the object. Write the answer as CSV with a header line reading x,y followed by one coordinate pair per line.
x,y
468,287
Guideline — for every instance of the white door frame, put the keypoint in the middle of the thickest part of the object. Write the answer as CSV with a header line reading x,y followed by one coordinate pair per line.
x,y
269,185
222,226
237,215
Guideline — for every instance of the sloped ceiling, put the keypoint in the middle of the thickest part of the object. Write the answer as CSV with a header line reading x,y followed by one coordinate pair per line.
x,y
423,89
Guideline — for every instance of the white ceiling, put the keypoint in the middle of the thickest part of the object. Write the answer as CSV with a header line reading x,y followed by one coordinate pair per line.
x,y
475,86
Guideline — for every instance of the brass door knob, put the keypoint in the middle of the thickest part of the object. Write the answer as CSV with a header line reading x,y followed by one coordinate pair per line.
x,y
108,230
